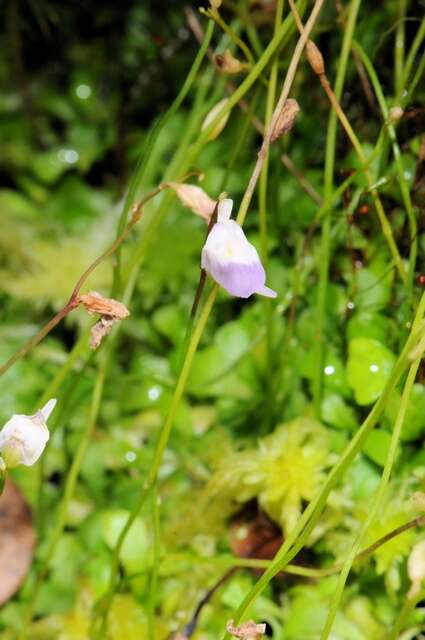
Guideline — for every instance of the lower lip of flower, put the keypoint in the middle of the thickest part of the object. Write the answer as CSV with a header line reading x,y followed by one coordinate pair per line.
x,y
239,279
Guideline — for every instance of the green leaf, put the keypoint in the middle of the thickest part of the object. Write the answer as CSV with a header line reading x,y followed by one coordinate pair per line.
x,y
414,422
366,324
135,550
374,285
337,413
368,368
377,445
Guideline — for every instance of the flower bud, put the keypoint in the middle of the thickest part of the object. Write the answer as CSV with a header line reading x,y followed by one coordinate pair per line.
x,y
315,58
395,114
23,438
211,115
195,198
416,568
227,63
418,500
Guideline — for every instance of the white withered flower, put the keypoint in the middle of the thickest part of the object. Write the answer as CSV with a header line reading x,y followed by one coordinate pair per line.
x,y
231,260
23,438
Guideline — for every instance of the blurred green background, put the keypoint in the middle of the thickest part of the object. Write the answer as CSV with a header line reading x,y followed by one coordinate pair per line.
x,y
82,85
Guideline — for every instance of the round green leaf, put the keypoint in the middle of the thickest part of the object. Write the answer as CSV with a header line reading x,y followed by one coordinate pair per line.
x,y
368,368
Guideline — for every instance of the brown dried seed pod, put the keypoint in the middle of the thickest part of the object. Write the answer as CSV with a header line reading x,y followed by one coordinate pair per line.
x,y
286,119
227,63
395,114
315,58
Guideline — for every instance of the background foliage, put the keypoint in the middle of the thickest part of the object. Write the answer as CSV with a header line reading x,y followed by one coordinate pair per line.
x,y
276,391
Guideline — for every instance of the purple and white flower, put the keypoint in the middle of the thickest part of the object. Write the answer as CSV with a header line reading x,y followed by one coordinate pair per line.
x,y
23,438
231,260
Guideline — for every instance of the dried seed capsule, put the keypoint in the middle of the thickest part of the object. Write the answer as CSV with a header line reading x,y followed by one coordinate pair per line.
x,y
315,58
286,119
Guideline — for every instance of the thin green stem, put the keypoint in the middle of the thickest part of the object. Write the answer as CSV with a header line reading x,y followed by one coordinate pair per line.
x,y
70,484
262,183
289,78
240,141
203,318
274,44
328,189
153,587
51,392
151,140
237,41
409,605
383,485
334,99
399,44
418,39
292,569
404,187
160,448
298,537
181,161
416,78
262,201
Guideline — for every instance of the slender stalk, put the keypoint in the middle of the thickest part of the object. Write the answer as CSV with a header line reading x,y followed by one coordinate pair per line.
x,y
153,586
262,184
70,484
417,41
152,138
298,537
407,608
309,189
383,485
33,342
74,301
289,78
415,80
262,201
404,187
203,318
328,188
334,98
291,569
159,451
237,41
399,45
52,391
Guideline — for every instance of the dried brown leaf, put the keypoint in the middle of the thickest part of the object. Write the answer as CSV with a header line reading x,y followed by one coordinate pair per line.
x,y
17,540
100,330
95,304
110,310
247,630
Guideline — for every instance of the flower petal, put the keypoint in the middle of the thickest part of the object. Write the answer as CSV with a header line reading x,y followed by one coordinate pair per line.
x,y
233,262
224,210
48,408
267,292
23,438
240,280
